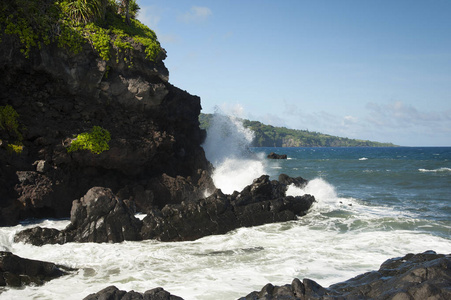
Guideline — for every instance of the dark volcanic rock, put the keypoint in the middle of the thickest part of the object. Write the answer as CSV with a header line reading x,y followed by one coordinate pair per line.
x,y
415,276
100,216
16,271
97,217
113,293
262,202
287,180
57,94
274,155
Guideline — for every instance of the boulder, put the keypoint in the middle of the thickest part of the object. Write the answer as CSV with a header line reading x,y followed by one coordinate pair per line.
x,y
274,155
98,217
16,271
415,276
113,293
297,181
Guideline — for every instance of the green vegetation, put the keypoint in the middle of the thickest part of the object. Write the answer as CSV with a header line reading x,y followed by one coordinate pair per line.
x,y
95,141
15,148
9,126
270,136
109,26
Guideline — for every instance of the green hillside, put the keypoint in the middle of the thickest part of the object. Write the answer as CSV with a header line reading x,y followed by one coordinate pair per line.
x,y
270,136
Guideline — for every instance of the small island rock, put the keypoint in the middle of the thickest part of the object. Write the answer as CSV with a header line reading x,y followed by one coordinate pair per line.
x,y
274,155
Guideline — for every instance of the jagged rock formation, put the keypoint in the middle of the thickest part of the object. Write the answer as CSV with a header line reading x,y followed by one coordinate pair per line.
x,y
16,271
113,292
262,202
100,216
415,276
155,142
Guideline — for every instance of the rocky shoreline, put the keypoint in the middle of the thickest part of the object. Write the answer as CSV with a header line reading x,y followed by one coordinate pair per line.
x,y
154,164
100,216
415,276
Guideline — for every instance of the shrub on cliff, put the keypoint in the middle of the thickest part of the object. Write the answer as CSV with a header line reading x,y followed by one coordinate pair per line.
x,y
9,125
71,23
95,141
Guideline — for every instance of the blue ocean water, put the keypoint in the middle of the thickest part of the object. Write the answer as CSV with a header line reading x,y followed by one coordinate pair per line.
x,y
413,180
373,204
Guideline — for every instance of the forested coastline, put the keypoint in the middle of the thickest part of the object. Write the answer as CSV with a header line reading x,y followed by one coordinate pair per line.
x,y
272,136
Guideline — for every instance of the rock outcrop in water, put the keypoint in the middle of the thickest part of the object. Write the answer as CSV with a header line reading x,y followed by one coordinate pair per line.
x,y
274,155
154,155
415,276
100,216
114,293
16,271
262,202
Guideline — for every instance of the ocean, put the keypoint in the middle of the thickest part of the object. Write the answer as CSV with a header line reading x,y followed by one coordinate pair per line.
x,y
372,204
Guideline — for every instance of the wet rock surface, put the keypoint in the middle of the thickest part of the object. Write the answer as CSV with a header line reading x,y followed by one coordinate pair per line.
x,y
262,202
415,276
16,271
113,293
100,216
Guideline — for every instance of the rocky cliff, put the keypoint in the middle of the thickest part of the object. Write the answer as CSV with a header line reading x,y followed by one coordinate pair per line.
x,y
154,155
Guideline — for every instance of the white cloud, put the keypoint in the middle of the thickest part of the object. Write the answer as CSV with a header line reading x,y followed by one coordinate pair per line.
x,y
196,14
402,115
150,16
396,122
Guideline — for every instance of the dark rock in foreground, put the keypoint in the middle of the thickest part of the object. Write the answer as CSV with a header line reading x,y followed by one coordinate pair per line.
x,y
16,271
274,155
100,216
414,277
114,293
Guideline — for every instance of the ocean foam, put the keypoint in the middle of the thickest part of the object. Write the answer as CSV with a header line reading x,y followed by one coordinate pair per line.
x,y
229,266
435,170
234,174
227,148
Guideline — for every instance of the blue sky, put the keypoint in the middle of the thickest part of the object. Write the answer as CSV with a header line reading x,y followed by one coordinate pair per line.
x,y
377,70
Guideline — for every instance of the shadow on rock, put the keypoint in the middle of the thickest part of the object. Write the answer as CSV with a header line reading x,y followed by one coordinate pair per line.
x,y
100,216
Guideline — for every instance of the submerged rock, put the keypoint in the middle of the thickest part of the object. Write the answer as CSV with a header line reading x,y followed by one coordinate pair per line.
x,y
415,276
100,216
274,155
16,271
114,293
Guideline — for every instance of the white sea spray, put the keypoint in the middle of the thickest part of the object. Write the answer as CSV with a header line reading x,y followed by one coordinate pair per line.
x,y
227,148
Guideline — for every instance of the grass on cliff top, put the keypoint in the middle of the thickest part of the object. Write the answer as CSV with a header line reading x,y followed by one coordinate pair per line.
x,y
71,23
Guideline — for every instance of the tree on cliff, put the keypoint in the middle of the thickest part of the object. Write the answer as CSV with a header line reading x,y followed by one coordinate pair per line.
x,y
85,11
129,8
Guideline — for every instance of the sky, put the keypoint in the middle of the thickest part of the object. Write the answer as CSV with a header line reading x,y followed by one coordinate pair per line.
x,y
371,70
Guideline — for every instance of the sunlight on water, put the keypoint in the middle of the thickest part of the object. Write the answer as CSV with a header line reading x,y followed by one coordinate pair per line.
x,y
340,237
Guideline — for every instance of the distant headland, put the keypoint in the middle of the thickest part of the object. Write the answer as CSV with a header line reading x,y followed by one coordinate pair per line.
x,y
271,136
